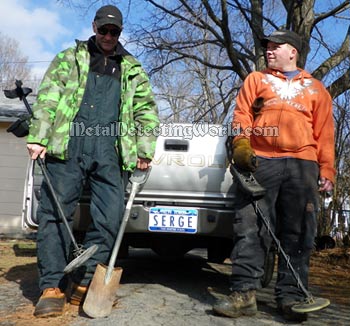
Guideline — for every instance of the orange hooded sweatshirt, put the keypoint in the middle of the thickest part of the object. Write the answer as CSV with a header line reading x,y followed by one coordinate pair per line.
x,y
295,118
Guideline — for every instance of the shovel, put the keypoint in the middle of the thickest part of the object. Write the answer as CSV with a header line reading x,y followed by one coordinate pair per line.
x,y
102,290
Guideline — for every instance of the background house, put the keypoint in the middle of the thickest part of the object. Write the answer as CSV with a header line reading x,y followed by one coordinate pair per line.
x,y
13,164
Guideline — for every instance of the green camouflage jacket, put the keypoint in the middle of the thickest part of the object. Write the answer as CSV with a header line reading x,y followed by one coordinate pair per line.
x,y
61,93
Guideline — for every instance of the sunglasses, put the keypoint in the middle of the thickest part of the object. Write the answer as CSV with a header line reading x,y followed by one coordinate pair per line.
x,y
114,32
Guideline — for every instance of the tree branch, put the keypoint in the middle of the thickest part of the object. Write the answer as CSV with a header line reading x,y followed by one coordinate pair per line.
x,y
343,6
340,85
335,59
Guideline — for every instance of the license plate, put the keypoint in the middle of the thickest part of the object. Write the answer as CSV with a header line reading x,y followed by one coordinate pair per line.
x,y
174,220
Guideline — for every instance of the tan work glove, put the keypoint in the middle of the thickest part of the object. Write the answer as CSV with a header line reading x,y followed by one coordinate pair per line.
x,y
243,155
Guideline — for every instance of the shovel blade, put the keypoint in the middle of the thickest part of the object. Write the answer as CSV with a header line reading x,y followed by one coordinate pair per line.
x,y
100,296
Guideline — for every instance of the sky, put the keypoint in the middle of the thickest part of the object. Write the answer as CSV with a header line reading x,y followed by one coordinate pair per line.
x,y
43,28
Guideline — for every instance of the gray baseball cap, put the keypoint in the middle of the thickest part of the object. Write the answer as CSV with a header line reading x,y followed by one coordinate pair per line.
x,y
109,15
282,37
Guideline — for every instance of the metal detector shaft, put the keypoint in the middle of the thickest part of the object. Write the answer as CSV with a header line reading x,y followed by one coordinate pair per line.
x,y
19,92
60,211
25,101
266,223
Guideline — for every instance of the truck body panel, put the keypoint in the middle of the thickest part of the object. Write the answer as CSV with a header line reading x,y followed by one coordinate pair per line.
x,y
186,201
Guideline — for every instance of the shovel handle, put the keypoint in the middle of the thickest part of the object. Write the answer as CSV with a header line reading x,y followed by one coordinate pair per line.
x,y
137,180
120,233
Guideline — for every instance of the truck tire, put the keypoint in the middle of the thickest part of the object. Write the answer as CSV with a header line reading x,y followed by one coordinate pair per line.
x,y
324,242
123,250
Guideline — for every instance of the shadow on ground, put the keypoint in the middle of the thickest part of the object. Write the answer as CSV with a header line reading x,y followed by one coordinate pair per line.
x,y
26,276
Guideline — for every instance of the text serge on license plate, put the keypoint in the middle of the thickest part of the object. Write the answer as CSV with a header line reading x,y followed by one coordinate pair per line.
x,y
176,220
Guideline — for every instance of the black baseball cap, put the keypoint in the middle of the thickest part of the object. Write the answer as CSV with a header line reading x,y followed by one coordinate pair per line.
x,y
282,37
109,15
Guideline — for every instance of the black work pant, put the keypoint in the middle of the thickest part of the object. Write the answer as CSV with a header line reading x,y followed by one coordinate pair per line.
x,y
99,165
291,205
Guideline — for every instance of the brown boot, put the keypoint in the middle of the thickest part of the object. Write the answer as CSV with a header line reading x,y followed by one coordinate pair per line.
x,y
51,303
237,304
78,294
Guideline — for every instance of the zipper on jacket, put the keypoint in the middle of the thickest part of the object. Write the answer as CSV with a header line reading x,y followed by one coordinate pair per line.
x,y
280,116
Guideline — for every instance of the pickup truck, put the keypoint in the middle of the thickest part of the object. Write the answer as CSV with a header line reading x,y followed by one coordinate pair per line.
x,y
186,202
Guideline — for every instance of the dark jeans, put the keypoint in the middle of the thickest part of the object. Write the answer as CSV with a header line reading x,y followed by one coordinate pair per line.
x,y
100,166
291,205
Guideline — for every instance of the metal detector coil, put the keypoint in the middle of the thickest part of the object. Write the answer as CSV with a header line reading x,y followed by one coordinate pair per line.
x,y
80,258
310,305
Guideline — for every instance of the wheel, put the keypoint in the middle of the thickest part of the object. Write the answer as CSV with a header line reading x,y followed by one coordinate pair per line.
x,y
324,242
123,252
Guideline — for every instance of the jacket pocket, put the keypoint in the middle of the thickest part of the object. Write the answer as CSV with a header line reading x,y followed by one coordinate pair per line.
x,y
285,130
295,133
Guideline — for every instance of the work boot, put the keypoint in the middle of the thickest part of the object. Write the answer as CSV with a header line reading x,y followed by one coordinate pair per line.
x,y
51,303
237,304
78,294
285,310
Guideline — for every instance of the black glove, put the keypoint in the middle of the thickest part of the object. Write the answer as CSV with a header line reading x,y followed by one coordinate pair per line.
x,y
243,155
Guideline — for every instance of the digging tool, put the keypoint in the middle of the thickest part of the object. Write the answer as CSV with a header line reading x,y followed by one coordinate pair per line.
x,y
80,254
101,293
250,186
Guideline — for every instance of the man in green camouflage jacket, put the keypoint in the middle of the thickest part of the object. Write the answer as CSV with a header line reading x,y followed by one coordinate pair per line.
x,y
94,118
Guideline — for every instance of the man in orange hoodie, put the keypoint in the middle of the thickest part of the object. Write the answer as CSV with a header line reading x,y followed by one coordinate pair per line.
x,y
287,139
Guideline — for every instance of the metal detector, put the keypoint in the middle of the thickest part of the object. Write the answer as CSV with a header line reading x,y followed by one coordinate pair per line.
x,y
251,187
20,128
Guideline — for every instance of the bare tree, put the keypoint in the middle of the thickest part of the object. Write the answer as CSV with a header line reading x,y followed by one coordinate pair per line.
x,y
207,94
221,38
340,195
13,64
234,29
